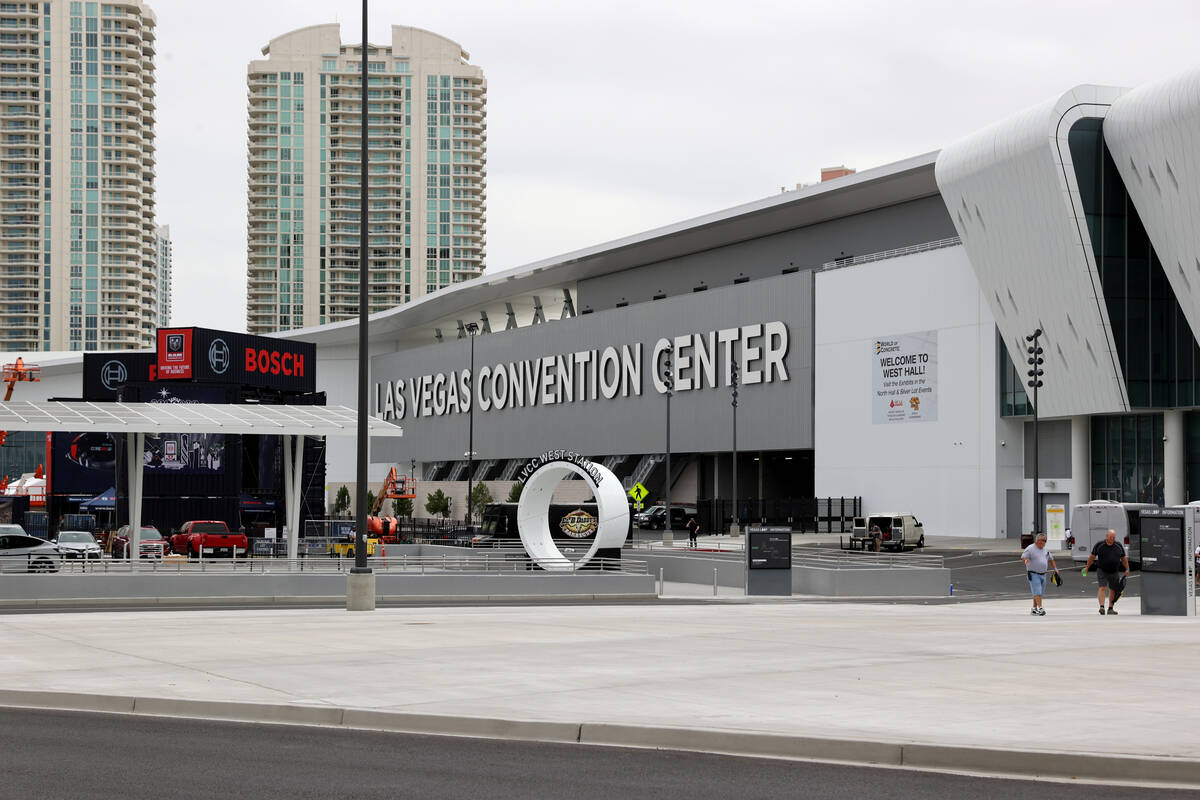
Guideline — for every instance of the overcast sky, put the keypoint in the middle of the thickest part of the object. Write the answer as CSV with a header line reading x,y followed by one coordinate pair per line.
x,y
609,118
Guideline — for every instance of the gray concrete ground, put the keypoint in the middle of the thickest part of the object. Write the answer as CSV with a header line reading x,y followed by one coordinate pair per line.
x,y
975,675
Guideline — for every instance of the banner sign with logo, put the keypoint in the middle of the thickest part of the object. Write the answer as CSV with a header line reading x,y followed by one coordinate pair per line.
x,y
105,375
213,356
174,353
904,378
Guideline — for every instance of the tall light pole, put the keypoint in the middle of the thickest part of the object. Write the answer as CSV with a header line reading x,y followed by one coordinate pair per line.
x,y
360,588
669,383
734,528
472,329
1035,373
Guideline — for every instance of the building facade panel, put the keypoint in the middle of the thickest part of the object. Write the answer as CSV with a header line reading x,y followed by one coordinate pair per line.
x,y
953,471
1012,193
767,324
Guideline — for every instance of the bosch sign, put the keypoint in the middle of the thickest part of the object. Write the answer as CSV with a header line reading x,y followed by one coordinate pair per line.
x,y
238,358
274,362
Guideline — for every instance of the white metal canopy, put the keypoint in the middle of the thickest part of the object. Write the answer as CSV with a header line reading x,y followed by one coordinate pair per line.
x,y
263,420
135,420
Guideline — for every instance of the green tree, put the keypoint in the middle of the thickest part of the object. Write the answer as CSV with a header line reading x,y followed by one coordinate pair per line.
x,y
342,501
402,508
514,494
438,503
480,497
370,500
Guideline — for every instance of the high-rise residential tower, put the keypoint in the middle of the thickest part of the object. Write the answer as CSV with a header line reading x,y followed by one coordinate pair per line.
x,y
77,97
162,276
426,182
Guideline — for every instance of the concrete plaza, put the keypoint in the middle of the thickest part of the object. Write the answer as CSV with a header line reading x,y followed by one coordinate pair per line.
x,y
980,675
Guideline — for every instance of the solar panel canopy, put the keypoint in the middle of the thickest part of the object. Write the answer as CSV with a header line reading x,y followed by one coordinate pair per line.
x,y
264,420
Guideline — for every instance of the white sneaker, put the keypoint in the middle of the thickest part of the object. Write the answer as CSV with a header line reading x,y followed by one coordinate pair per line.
x,y
1041,612
1033,611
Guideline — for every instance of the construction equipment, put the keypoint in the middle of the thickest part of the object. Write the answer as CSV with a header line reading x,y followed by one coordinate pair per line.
x,y
395,487
18,372
15,373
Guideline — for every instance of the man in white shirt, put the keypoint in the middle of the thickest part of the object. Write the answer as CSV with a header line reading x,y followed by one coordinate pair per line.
x,y
1037,560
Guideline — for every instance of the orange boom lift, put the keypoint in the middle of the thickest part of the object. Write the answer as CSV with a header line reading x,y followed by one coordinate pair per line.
x,y
396,487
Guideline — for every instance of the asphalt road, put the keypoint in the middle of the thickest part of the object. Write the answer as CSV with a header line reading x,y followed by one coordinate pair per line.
x,y
53,755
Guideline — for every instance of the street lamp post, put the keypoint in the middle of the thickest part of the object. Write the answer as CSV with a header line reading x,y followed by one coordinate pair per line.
x,y
1035,373
669,383
734,528
360,587
472,329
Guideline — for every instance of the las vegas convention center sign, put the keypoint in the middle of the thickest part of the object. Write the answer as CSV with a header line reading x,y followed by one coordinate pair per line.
x,y
699,361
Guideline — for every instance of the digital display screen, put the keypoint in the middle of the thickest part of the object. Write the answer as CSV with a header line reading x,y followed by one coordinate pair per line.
x,y
770,550
1162,544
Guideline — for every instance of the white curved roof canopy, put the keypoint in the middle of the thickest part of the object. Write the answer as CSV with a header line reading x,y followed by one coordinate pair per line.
x,y
1153,133
1011,191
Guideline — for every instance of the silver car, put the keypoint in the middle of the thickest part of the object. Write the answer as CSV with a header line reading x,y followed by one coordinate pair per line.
x,y
77,544
20,552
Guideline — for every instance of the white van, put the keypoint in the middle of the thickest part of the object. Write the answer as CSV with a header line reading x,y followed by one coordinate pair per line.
x,y
897,531
1091,522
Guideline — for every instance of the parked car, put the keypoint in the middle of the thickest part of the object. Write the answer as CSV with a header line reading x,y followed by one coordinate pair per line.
x,y
20,552
656,517
77,544
152,544
895,531
208,537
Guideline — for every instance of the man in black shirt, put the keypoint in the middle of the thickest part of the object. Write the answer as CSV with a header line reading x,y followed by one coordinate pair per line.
x,y
1110,557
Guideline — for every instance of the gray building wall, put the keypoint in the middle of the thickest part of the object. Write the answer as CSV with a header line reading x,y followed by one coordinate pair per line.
x,y
900,225
771,416
1054,449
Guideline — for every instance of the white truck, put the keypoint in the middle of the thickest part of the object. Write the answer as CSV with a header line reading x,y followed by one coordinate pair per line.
x,y
1091,522
895,531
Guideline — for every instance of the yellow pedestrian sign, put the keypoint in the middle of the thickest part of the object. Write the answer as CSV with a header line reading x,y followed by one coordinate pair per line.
x,y
638,492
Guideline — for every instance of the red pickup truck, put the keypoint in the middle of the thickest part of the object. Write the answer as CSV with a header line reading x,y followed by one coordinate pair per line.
x,y
207,537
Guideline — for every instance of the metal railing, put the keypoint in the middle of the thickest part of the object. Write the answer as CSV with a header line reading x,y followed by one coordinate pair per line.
x,y
842,559
719,546
802,514
468,563
850,261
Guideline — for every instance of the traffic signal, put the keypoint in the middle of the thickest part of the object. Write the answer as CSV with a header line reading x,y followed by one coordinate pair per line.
x,y
668,372
3,436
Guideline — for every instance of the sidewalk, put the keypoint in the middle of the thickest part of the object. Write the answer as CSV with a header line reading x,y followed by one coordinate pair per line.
x,y
977,675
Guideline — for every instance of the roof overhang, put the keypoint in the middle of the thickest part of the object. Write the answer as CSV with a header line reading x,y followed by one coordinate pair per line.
x,y
864,191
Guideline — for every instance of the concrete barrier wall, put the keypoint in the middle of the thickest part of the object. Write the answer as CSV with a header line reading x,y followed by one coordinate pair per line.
x,y
882,582
256,587
693,568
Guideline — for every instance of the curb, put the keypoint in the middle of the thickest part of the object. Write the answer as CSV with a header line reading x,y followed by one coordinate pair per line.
x,y
281,601
1008,763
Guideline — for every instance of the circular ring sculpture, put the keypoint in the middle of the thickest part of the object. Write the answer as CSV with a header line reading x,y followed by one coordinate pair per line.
x,y
533,512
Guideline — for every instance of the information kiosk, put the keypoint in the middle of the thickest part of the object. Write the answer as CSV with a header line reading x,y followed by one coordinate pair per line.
x,y
1168,570
769,560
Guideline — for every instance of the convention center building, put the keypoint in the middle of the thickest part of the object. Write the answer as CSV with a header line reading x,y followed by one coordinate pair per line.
x,y
877,323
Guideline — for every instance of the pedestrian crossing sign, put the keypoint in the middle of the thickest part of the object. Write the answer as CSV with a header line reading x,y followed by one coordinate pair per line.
x,y
638,492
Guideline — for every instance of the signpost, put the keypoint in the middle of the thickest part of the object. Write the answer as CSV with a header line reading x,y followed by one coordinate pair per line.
x,y
638,493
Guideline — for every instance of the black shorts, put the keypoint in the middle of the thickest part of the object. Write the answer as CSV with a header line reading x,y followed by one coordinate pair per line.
x,y
1110,580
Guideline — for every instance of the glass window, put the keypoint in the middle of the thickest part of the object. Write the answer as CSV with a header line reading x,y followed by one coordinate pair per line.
x,y
1157,350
